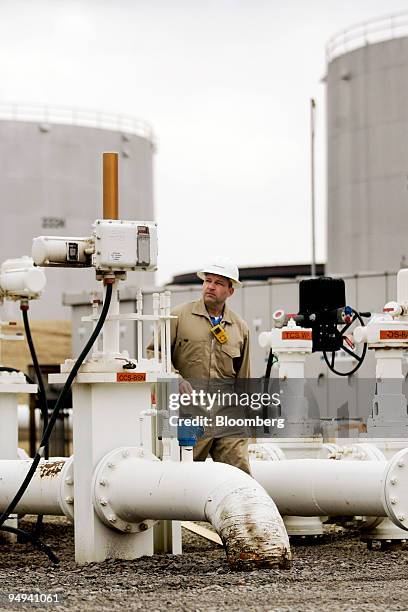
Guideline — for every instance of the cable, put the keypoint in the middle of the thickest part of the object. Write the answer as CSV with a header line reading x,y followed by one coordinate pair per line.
x,y
42,395
28,537
47,433
271,361
41,387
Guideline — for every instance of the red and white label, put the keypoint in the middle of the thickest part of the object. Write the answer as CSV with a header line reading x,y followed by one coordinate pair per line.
x,y
133,377
296,335
393,334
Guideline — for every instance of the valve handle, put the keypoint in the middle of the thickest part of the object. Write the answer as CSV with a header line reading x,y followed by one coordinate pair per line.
x,y
351,315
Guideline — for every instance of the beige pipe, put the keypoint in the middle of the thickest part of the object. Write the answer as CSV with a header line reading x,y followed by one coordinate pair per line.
x,y
110,186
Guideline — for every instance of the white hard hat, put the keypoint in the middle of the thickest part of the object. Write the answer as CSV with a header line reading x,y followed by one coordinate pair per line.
x,y
223,267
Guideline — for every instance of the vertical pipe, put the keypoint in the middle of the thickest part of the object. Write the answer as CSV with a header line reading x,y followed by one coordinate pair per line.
x,y
95,304
312,181
110,186
111,328
156,325
139,311
163,331
187,454
9,425
402,286
167,295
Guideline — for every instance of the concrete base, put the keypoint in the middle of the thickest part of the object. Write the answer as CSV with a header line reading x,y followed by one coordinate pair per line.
x,y
385,532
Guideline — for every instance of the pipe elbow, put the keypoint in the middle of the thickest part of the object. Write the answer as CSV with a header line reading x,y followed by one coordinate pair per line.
x,y
249,525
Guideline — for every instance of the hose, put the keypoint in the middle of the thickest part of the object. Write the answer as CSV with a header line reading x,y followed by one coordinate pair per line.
x,y
42,396
48,430
28,537
271,361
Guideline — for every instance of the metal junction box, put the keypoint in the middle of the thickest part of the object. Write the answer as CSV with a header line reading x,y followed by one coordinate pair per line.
x,y
125,245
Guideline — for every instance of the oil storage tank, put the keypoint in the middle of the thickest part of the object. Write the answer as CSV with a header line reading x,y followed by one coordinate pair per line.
x,y
51,184
367,146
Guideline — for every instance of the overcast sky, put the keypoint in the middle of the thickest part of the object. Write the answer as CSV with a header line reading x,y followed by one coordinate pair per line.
x,y
226,85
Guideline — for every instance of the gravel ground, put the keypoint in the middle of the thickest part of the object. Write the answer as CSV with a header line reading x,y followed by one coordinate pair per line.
x,y
337,574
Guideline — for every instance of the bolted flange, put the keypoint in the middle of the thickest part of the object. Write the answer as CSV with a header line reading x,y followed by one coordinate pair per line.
x,y
66,499
396,489
100,490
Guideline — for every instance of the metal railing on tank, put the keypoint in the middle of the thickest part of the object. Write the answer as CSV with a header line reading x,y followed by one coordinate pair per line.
x,y
62,115
367,33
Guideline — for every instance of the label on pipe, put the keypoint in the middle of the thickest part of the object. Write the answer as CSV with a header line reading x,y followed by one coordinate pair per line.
x,y
393,334
131,377
296,335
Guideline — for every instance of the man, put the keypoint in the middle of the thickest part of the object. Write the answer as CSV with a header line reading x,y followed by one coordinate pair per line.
x,y
210,341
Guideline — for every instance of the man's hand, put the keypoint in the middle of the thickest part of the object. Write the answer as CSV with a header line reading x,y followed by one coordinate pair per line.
x,y
185,387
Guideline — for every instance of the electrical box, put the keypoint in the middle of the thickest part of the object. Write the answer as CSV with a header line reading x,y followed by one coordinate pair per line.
x,y
125,245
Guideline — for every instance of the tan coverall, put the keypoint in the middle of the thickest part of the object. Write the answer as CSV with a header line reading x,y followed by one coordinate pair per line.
x,y
196,354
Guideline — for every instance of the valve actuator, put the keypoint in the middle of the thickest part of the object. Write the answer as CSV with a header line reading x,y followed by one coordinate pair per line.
x,y
322,302
322,309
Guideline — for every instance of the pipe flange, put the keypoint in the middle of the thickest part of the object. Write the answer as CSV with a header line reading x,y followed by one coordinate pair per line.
x,y
369,452
396,489
266,452
100,489
353,452
329,451
66,493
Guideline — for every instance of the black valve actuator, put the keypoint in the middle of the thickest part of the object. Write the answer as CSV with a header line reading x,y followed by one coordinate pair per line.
x,y
320,302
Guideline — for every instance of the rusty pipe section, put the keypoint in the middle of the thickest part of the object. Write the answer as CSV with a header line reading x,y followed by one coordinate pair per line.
x,y
239,509
250,527
49,492
110,186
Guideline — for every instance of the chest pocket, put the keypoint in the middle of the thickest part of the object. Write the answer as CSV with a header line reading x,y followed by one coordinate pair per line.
x,y
231,358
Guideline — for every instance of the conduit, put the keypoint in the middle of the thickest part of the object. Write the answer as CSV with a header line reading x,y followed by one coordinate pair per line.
x,y
318,487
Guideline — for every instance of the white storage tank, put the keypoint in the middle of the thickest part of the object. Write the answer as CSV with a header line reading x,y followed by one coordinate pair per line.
x,y
367,147
51,184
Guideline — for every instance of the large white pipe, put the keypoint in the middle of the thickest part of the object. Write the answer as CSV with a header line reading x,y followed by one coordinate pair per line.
x,y
48,492
319,486
134,489
313,487
129,489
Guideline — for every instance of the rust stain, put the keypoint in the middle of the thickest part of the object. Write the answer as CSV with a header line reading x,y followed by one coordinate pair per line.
x,y
252,531
51,469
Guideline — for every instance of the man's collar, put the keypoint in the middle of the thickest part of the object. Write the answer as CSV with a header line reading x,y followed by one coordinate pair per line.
x,y
200,309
